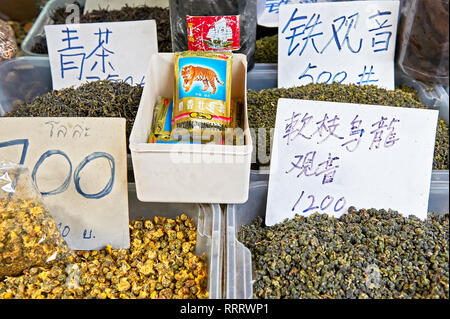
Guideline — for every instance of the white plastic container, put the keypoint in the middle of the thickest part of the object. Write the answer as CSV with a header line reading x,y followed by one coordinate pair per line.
x,y
188,173
208,220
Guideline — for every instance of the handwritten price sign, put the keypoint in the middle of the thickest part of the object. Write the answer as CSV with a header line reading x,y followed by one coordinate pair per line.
x,y
330,156
83,181
345,42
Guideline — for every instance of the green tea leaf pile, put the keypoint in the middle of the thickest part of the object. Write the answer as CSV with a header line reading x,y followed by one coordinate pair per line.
x,y
267,49
92,99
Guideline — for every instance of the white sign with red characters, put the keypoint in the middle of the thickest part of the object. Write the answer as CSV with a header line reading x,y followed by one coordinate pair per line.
x,y
216,33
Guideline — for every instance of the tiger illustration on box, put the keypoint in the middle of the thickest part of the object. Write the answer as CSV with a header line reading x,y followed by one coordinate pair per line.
x,y
192,73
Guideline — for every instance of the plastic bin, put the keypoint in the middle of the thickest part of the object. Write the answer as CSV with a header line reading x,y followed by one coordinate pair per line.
x,y
435,96
438,201
263,76
44,19
189,173
238,264
22,79
208,219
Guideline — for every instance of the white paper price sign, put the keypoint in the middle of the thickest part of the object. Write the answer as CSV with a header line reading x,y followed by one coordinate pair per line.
x,y
80,167
345,42
330,156
115,51
91,5
268,10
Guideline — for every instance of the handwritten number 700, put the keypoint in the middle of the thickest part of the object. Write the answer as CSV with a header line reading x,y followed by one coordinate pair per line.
x,y
327,201
96,155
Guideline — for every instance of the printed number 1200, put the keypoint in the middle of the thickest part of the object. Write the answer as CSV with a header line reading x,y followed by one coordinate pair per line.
x,y
326,202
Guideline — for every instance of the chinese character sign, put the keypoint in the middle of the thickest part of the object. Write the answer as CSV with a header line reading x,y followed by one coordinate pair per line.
x,y
268,10
345,42
329,156
100,51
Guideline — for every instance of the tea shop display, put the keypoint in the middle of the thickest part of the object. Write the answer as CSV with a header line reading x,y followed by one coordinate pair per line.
x,y
214,26
196,197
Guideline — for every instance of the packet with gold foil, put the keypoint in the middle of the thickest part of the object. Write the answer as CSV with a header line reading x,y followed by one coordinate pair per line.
x,y
162,120
202,91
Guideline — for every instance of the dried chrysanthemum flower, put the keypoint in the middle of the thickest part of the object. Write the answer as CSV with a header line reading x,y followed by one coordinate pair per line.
x,y
161,263
28,236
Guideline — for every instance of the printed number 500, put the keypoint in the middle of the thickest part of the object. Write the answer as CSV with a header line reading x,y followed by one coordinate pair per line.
x,y
76,175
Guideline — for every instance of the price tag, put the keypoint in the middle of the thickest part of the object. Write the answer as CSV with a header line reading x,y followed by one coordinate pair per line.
x,y
100,51
330,156
91,5
345,42
80,167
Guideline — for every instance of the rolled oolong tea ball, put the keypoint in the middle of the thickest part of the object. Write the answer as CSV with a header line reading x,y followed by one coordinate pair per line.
x,y
363,254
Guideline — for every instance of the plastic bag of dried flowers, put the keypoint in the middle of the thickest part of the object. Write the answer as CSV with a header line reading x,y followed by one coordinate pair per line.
x,y
28,234
8,45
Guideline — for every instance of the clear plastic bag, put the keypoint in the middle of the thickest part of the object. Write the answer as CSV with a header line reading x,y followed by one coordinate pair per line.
x,y
28,234
8,45
423,40
245,9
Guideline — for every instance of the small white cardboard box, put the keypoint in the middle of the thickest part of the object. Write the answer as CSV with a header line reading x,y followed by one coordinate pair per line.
x,y
188,173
